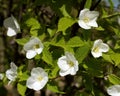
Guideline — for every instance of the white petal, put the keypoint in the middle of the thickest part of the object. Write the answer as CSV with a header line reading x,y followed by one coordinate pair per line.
x,y
30,54
114,90
104,47
96,54
72,71
62,63
39,50
11,32
16,23
64,73
98,42
93,15
30,82
37,71
92,23
1,76
11,75
82,13
70,57
13,66
83,24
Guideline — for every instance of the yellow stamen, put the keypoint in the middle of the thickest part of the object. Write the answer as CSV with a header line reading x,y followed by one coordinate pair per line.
x,y
40,78
96,49
71,63
36,46
86,19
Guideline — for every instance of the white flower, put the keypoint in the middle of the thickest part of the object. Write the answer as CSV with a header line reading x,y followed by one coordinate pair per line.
x,y
98,48
12,25
67,64
11,73
114,90
33,47
38,79
87,19
1,76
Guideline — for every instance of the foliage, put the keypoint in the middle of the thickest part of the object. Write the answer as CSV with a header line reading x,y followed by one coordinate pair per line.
x,y
55,23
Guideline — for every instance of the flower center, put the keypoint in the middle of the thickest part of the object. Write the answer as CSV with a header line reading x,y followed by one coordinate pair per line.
x,y
86,19
96,49
39,78
36,46
71,63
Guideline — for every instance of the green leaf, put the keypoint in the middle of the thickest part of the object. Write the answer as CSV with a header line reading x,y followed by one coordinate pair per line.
x,y
111,4
75,42
65,23
107,58
22,41
53,87
21,89
82,52
88,4
47,56
35,26
51,31
114,79
115,58
64,12
54,72
23,76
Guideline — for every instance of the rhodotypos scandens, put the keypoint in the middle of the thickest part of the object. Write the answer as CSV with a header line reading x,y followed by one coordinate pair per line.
x,y
67,64
98,48
38,79
33,47
87,19
11,73
114,90
12,25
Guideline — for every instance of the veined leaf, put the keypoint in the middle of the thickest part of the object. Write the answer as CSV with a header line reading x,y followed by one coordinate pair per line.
x,y
21,89
88,4
35,26
114,79
75,42
65,23
22,41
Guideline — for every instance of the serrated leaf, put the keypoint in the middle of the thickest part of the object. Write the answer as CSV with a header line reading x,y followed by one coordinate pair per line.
x,y
22,41
51,31
81,53
107,58
64,12
24,76
114,79
53,87
21,89
65,23
35,26
115,58
75,42
88,4
47,56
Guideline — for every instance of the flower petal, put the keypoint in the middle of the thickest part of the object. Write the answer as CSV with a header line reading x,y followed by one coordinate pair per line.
x,y
114,90
11,32
39,50
104,47
83,24
64,73
92,23
62,63
96,54
82,13
30,54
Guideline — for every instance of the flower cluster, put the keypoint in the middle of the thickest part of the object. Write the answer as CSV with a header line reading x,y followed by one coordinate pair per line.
x,y
68,64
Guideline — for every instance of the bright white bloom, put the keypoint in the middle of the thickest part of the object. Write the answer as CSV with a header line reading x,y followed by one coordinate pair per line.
x,y
38,79
11,73
67,64
1,76
87,19
33,47
114,90
12,25
98,48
